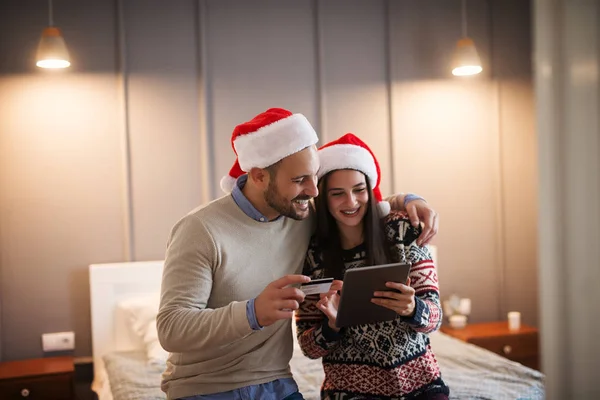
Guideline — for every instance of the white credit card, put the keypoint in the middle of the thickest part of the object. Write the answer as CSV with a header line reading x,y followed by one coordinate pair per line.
x,y
317,286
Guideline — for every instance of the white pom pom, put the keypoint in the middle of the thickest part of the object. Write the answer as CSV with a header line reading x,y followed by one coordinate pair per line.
x,y
384,208
227,183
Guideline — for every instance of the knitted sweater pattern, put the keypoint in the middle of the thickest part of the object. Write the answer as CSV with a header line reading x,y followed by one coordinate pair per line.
x,y
384,360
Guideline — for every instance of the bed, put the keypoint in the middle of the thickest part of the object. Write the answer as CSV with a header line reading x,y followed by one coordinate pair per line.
x,y
127,364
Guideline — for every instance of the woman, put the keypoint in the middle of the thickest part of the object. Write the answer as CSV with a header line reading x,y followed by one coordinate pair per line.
x,y
384,360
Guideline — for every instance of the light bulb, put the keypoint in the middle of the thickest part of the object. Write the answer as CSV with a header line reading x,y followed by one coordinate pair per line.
x,y
52,51
466,59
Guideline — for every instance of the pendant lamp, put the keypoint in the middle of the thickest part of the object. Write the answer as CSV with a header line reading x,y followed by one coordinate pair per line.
x,y
466,60
52,51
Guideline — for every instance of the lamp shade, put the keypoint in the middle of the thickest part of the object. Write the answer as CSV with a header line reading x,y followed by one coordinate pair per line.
x,y
466,59
52,51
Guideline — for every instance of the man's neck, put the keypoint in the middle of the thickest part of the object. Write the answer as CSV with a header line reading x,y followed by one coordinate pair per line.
x,y
351,236
257,199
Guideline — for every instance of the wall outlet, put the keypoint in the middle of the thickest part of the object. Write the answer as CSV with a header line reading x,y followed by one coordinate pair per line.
x,y
59,341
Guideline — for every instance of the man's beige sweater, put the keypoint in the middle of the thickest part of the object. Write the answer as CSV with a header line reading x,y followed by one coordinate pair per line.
x,y
217,259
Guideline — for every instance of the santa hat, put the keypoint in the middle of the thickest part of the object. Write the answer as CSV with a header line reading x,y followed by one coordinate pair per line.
x,y
266,139
349,152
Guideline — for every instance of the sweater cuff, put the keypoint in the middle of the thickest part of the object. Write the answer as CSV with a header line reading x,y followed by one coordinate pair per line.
x,y
329,334
240,318
408,197
417,318
251,315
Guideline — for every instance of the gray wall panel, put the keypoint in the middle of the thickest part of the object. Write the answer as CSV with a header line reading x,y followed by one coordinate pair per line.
x,y
163,105
261,54
457,173
60,165
355,76
511,57
455,120
567,89
425,35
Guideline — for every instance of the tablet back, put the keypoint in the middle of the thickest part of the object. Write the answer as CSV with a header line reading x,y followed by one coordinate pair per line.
x,y
359,284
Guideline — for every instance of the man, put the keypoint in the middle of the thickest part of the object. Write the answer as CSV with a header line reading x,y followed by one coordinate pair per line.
x,y
247,245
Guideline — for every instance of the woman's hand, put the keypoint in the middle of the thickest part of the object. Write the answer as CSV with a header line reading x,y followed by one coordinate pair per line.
x,y
402,303
329,303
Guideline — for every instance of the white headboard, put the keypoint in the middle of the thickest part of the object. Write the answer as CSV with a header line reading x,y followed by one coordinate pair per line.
x,y
110,284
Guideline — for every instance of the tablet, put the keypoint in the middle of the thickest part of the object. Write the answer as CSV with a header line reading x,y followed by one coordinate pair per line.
x,y
355,306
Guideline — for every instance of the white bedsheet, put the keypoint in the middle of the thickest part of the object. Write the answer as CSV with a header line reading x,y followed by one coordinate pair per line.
x,y
470,372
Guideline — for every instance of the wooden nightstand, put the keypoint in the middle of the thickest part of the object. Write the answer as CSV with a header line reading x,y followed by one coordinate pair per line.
x,y
40,378
520,346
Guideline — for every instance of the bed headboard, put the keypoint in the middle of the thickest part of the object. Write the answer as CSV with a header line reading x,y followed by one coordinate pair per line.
x,y
110,284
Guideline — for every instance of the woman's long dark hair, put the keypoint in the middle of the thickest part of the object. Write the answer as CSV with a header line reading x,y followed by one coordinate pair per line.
x,y
328,235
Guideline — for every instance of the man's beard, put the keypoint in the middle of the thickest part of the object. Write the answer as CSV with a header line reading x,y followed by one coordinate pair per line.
x,y
279,204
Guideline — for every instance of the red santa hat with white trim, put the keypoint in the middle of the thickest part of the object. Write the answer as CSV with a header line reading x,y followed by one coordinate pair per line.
x,y
266,139
349,152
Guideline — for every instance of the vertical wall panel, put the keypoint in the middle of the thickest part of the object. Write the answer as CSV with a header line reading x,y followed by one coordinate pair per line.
x,y
520,203
161,51
511,68
581,169
60,192
426,33
567,87
447,148
261,54
446,143
355,79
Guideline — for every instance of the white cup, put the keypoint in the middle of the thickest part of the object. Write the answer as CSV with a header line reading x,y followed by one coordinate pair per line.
x,y
447,307
514,320
458,321
464,307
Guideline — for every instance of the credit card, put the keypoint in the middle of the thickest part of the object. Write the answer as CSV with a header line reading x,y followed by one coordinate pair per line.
x,y
317,286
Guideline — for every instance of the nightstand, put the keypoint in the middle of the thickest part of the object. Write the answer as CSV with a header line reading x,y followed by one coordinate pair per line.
x,y
37,379
521,346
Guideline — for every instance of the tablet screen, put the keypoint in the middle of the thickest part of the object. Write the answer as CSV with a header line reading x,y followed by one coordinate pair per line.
x,y
356,307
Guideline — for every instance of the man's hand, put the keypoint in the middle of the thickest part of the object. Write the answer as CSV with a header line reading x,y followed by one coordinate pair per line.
x,y
279,300
419,211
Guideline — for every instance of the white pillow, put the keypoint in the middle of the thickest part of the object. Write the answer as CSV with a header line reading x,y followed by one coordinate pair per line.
x,y
140,315
155,354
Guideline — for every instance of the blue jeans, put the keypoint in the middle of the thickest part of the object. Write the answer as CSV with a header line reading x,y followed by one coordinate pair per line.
x,y
293,396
